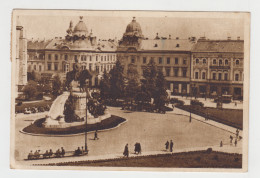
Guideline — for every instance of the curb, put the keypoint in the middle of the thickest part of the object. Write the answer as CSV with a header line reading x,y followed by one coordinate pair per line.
x,y
71,135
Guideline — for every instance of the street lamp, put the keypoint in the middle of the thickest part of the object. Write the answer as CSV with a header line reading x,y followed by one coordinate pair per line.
x,y
86,145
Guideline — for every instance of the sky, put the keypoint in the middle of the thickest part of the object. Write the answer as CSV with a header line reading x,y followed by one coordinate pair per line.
x,y
111,25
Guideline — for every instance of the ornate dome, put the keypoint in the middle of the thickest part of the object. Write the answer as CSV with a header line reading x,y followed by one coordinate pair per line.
x,y
133,29
81,28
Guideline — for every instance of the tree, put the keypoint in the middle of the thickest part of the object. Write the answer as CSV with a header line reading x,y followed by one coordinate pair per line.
x,y
160,97
105,86
117,81
56,86
132,83
30,89
31,75
149,82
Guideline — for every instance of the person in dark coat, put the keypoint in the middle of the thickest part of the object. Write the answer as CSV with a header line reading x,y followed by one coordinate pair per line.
x,y
95,135
62,152
171,146
139,148
167,145
126,152
136,148
50,153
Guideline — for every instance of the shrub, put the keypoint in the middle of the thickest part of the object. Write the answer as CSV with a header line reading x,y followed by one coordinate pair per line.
x,y
198,158
176,101
215,157
209,150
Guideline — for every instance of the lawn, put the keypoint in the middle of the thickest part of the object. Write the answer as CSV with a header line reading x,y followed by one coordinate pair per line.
x,y
231,117
195,159
37,128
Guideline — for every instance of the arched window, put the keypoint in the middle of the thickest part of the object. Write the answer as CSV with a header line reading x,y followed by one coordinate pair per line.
x,y
204,61
236,77
237,62
214,61
220,62
197,61
226,62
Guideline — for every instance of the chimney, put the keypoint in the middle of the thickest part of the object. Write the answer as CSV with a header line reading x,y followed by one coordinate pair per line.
x,y
170,37
229,38
238,38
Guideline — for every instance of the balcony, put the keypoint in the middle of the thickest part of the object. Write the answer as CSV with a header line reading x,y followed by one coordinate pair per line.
x,y
219,67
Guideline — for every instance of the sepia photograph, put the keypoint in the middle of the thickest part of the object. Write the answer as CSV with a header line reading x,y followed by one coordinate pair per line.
x,y
130,90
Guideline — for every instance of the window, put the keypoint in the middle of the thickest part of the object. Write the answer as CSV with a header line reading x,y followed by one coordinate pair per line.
x,y
101,68
96,58
197,61
184,61
97,69
168,72
168,60
105,58
226,76
34,67
144,60
237,77
220,62
152,59
102,58
108,57
214,61
160,60
237,62
184,73
49,56
90,67
203,75
56,67
204,61
196,75
219,76
40,68
133,60
90,58
226,62
41,56
49,66
176,72
76,58
82,58
66,57
176,60
56,56
214,76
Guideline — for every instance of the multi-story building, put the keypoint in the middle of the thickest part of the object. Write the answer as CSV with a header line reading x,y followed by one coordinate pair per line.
x,y
217,67
21,58
57,56
172,56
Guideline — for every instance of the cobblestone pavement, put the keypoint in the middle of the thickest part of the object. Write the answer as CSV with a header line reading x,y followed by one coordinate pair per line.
x,y
152,130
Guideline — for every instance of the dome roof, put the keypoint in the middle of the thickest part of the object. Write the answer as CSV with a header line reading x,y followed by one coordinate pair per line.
x,y
133,28
81,28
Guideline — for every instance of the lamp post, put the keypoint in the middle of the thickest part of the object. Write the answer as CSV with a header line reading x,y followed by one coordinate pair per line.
x,y
86,145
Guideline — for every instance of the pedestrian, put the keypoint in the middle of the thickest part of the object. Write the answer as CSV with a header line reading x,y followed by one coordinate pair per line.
x,y
167,145
236,142
171,146
126,152
30,155
136,148
50,153
235,103
231,139
95,135
221,143
237,133
139,148
46,154
172,106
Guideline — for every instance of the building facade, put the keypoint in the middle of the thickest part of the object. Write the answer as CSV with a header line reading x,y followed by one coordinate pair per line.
x,y
172,56
20,59
57,56
217,67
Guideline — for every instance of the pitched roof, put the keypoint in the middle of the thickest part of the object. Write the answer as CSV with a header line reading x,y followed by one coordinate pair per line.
x,y
219,46
37,45
166,45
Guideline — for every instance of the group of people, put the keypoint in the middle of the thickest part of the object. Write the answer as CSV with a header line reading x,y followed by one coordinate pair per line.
x,y
169,145
137,149
79,151
36,155
236,139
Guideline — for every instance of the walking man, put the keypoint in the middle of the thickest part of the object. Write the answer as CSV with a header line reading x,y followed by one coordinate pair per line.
x,y
126,152
171,146
95,136
236,142
231,139
167,145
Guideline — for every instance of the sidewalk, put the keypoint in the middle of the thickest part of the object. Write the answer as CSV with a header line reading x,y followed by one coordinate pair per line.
x,y
210,122
225,148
